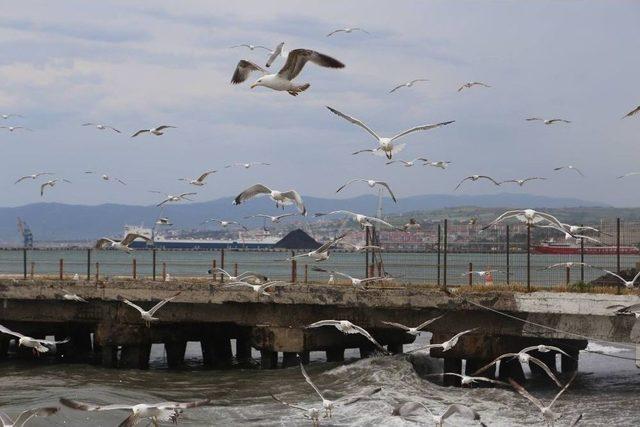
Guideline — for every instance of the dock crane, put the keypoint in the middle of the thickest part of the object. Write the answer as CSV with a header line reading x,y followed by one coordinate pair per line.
x,y
25,232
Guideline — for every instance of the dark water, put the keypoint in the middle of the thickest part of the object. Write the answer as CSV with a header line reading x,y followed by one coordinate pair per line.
x,y
607,391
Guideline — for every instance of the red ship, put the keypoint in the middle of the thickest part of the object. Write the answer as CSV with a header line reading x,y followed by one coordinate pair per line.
x,y
562,248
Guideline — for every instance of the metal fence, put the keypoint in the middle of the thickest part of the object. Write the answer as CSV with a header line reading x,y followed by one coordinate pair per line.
x,y
439,254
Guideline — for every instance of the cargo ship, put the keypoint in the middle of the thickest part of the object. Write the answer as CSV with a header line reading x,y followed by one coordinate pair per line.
x,y
255,239
572,248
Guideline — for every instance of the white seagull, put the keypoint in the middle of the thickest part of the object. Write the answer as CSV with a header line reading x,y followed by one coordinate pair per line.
x,y
474,178
523,181
633,309
173,198
274,219
628,174
549,416
469,380
481,273
37,345
416,330
627,283
224,224
629,114
347,31
199,181
165,411
33,176
106,177
248,164
122,245
408,84
13,128
100,126
25,416
461,410
147,315
438,164
322,253
524,357
348,328
569,264
371,183
70,296
547,121
279,51
282,81
281,198
163,221
259,289
446,345
51,183
360,248
251,46
355,282
409,163
569,167
240,277
386,145
469,85
363,220
157,131
312,414
528,216
6,116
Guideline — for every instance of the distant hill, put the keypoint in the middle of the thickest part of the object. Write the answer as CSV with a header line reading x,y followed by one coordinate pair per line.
x,y
55,221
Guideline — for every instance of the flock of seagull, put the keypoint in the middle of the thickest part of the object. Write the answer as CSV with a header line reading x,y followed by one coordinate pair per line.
x,y
294,62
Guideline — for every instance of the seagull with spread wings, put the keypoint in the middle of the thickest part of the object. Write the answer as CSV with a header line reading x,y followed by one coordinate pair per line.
x,y
527,216
199,181
32,176
481,273
409,163
70,296
173,198
274,219
355,282
547,121
442,164
14,128
360,248
628,174
282,80
322,253
164,411
569,264
371,183
408,84
570,167
147,315
101,126
312,414
51,184
415,331
248,164
260,289
474,178
157,131
279,51
348,328
523,181
470,380
627,283
224,224
632,112
25,416
469,85
524,357
446,345
38,346
251,46
347,30
122,245
282,198
106,177
363,220
549,415
240,277
7,116
386,145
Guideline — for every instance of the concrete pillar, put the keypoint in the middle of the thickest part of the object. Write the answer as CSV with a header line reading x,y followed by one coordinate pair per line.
x,y
511,369
216,351
395,348
549,359
135,356
335,354
4,347
175,353
303,357
268,359
109,356
289,359
453,365
473,365
569,364
243,349
78,349
366,351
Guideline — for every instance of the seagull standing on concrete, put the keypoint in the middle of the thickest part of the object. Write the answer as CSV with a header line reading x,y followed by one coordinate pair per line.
x,y
347,31
33,176
371,183
100,126
38,346
25,416
408,84
547,121
122,245
157,131
281,198
385,145
51,184
282,81
147,315
474,178
363,220
165,411
413,331
348,328
322,253
355,282
469,85
199,181
549,416
447,345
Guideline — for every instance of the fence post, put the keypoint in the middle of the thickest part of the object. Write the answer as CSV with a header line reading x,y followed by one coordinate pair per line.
x,y
438,250
88,264
235,269
97,271
222,264
582,259
508,255
24,263
61,268
528,257
153,263
366,252
380,269
134,267
33,269
306,274
568,279
619,289
294,268
213,269
444,267
470,274
164,271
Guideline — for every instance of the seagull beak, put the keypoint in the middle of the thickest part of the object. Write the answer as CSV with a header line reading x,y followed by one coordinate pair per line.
x,y
254,85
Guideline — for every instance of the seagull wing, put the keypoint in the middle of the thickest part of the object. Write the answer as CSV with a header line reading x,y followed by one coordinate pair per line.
x,y
82,406
165,127
295,196
29,176
202,177
460,183
632,112
526,394
102,242
243,70
334,32
308,380
531,119
379,221
546,369
130,237
299,57
363,394
113,129
5,420
8,331
366,150
550,347
321,323
276,52
325,247
397,325
490,179
251,192
428,322
422,127
462,410
159,305
490,364
289,404
183,405
368,336
385,185
139,132
396,88
129,303
355,122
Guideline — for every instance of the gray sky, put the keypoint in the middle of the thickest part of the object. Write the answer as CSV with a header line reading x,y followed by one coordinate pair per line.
x,y
136,65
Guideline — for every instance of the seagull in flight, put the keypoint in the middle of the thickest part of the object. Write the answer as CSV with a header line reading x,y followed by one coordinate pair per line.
x,y
470,380
240,277
633,309
416,330
122,245
408,84
100,126
628,174
349,328
312,414
106,177
438,164
469,85
386,145
523,181
173,198
481,273
248,165
38,346
363,220
70,296
25,416
569,167
279,51
524,357
147,315
548,414
361,248
33,176
12,128
371,183
51,184
260,289
199,181
447,345
225,224
281,198
569,264
251,46
547,121
456,408
347,31
632,112
409,163
474,178
157,131
627,283
528,216
163,221
274,219
6,116
165,411
322,253
355,282
282,81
